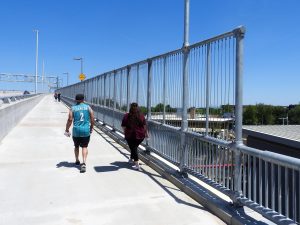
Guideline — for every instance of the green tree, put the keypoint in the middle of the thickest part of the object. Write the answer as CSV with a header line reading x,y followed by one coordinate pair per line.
x,y
294,115
159,108
250,115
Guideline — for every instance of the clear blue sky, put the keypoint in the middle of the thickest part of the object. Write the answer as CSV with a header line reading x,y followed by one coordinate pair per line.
x,y
114,33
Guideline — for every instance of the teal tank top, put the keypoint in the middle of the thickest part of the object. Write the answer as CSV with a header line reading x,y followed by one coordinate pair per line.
x,y
81,120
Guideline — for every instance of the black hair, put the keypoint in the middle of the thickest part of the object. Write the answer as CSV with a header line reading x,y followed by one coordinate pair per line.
x,y
79,97
134,116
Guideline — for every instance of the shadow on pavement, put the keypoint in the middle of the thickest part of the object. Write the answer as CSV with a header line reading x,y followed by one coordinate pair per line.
x,y
114,167
67,165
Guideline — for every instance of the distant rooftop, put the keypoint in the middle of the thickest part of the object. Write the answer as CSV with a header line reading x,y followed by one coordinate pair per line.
x,y
282,134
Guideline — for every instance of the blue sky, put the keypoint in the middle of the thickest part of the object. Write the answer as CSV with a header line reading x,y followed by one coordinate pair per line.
x,y
111,34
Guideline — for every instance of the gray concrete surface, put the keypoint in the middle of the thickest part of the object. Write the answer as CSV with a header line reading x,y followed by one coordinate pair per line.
x,y
12,113
39,183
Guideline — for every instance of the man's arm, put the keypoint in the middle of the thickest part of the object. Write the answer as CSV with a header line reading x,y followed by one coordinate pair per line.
x,y
92,119
69,121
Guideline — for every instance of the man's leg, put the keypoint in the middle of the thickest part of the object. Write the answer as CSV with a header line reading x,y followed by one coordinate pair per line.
x,y
84,145
84,154
76,152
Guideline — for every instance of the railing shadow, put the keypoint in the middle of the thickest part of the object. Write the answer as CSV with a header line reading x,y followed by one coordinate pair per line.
x,y
121,165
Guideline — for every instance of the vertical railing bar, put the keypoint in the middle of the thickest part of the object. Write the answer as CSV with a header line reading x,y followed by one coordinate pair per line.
x,y
208,62
149,89
114,97
286,190
224,167
104,97
260,181
128,87
244,163
273,187
249,178
138,83
294,197
164,89
254,166
279,190
266,185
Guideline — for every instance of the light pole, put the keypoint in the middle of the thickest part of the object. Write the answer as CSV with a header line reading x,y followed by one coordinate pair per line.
x,y
81,61
67,73
36,58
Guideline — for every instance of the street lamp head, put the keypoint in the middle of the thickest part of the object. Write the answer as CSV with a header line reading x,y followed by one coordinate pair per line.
x,y
78,58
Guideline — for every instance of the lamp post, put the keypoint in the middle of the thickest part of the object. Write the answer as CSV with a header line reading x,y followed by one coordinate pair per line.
x,y
81,61
36,58
67,73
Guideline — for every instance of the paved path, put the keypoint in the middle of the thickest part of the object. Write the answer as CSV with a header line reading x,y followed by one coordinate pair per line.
x,y
40,185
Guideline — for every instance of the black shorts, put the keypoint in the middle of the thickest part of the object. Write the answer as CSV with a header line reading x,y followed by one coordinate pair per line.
x,y
81,141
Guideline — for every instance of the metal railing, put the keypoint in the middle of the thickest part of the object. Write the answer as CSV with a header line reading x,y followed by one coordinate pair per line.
x,y
193,101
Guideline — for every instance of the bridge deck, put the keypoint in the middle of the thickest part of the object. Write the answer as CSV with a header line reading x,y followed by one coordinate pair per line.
x,y
41,185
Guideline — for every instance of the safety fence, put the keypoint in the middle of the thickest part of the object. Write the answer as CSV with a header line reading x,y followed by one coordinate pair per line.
x,y
192,99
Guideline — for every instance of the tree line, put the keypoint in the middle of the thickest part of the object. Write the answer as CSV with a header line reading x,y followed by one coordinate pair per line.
x,y
259,114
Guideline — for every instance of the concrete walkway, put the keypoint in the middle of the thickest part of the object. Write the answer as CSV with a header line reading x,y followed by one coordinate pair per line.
x,y
39,183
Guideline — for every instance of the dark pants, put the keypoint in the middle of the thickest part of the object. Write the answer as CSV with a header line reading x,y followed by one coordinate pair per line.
x,y
133,145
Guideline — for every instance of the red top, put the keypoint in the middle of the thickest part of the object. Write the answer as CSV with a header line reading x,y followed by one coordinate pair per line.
x,y
134,130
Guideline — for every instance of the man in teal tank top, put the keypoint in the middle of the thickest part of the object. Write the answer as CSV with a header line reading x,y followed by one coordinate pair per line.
x,y
82,117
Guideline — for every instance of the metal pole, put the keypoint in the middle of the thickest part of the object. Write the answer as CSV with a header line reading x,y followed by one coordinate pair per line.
x,y
207,88
239,35
81,63
114,97
164,90
185,96
186,22
36,58
138,82
128,88
149,88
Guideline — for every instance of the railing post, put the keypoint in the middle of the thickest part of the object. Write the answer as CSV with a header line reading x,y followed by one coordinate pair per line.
x,y
185,83
149,88
239,35
121,89
185,99
137,81
164,90
128,87
104,98
208,62
114,99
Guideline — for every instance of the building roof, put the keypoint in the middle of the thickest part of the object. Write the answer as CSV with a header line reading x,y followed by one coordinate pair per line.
x,y
283,134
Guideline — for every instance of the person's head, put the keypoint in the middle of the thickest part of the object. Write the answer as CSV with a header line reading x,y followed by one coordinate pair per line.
x,y
79,98
134,108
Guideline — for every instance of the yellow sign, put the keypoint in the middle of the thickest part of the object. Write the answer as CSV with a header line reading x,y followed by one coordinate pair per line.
x,y
81,76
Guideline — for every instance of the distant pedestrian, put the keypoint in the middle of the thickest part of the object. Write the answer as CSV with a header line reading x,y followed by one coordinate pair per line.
x,y
135,130
55,96
58,96
82,117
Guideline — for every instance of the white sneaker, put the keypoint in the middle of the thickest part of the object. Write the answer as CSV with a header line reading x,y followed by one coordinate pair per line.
x,y
136,167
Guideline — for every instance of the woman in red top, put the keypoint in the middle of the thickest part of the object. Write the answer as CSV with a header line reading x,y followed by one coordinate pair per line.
x,y
135,130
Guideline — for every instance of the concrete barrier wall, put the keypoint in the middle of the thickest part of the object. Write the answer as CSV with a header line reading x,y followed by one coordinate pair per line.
x,y
12,113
